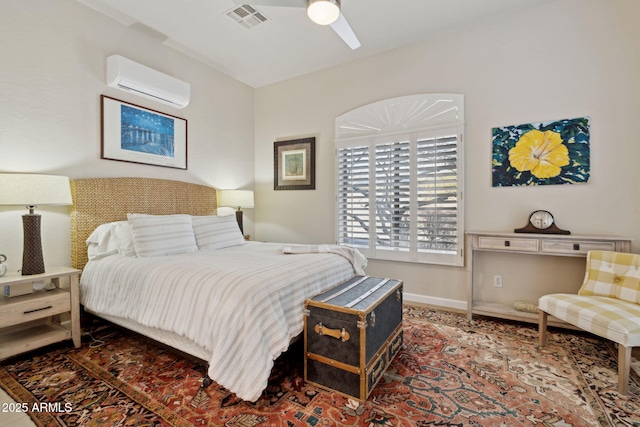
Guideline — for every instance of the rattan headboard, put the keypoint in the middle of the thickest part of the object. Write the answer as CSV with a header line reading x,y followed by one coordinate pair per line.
x,y
100,200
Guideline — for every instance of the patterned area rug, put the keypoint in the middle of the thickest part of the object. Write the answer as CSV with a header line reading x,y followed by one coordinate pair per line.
x,y
449,373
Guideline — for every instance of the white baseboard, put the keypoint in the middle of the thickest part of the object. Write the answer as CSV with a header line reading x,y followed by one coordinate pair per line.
x,y
440,302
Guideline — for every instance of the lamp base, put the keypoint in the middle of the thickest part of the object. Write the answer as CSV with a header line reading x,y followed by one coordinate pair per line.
x,y
239,219
32,260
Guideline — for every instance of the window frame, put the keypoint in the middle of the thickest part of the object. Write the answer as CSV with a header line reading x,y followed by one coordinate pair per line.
x,y
443,118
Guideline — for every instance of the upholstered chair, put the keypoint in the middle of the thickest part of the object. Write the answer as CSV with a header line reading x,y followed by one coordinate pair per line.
x,y
607,305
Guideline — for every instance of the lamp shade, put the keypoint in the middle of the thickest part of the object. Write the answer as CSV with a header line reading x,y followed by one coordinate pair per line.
x,y
236,198
33,189
323,12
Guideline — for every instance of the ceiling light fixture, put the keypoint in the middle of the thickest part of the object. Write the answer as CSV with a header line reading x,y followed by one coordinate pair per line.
x,y
323,12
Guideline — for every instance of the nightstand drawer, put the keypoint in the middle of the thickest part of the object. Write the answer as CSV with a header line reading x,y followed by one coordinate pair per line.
x,y
575,247
31,307
508,244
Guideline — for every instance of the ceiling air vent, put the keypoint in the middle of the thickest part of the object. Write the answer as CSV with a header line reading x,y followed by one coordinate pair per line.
x,y
247,16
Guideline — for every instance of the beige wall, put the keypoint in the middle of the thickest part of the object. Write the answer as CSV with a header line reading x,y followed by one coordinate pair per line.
x,y
563,59
52,73
559,60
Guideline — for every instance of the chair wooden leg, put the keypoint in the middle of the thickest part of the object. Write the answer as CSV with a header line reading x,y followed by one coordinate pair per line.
x,y
624,368
542,328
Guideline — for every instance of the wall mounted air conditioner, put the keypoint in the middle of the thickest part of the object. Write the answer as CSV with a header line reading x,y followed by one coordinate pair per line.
x,y
125,74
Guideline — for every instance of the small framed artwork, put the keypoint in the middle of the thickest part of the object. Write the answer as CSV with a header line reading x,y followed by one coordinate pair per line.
x,y
294,164
131,133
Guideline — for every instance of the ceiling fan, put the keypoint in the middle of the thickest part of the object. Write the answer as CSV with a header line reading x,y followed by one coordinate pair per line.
x,y
323,12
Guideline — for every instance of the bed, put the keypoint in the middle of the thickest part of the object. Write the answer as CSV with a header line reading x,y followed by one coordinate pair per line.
x,y
235,306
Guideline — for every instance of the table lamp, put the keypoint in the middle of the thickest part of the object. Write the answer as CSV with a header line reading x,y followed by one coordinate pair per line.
x,y
31,190
237,199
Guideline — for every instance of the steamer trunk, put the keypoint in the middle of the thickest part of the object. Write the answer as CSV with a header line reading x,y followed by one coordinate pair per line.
x,y
351,334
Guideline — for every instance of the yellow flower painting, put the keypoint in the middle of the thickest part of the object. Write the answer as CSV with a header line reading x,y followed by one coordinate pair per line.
x,y
541,153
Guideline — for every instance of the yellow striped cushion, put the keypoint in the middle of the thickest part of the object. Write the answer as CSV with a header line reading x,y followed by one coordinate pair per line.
x,y
606,317
612,274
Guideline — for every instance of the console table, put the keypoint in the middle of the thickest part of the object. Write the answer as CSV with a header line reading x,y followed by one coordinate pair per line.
x,y
529,244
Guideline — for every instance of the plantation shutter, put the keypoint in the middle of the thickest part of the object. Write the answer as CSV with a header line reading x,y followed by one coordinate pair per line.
x,y
393,195
437,177
353,196
399,179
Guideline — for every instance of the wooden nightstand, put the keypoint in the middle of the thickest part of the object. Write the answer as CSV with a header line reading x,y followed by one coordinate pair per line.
x,y
31,321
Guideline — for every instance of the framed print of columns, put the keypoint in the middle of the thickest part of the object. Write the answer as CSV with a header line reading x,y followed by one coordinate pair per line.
x,y
544,153
294,164
131,133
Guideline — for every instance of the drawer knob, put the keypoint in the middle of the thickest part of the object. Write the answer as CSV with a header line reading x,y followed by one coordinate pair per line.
x,y
576,246
507,243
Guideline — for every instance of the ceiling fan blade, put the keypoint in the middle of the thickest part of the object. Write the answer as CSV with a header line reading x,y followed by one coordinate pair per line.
x,y
277,3
343,29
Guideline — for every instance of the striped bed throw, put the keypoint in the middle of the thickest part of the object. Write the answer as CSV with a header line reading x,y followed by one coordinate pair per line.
x,y
357,260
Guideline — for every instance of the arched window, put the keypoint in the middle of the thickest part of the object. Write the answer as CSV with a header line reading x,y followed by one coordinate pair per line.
x,y
399,179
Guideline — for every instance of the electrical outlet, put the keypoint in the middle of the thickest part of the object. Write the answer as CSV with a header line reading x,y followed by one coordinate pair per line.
x,y
497,281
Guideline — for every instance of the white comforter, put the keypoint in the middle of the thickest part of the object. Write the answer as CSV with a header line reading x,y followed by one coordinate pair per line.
x,y
244,303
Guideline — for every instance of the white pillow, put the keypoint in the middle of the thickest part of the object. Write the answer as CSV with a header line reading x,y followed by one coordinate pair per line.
x,y
124,239
101,242
217,232
155,235
102,232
